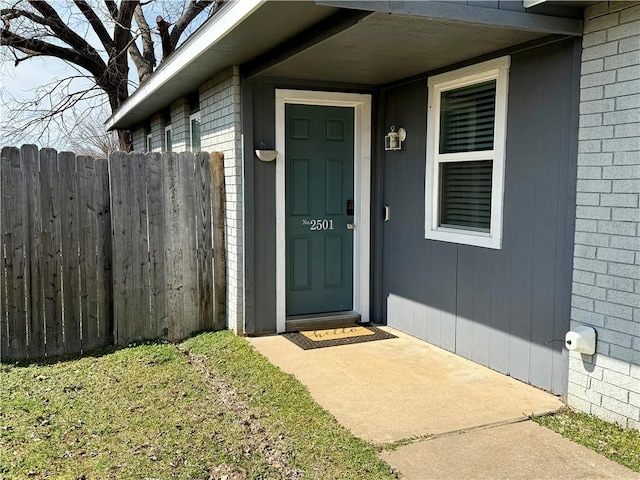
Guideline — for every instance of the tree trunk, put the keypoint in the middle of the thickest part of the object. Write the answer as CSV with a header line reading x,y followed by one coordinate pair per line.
x,y
125,140
117,96
163,29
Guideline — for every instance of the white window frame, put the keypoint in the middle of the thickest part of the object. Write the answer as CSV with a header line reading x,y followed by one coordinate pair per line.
x,y
497,69
168,129
149,142
195,116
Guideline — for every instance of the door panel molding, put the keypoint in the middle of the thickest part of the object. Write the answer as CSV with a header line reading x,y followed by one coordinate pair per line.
x,y
361,103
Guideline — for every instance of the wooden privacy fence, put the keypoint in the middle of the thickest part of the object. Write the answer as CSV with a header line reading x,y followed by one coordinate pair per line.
x,y
99,252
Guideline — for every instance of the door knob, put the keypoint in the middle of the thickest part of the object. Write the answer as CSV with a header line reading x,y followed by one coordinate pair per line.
x,y
351,226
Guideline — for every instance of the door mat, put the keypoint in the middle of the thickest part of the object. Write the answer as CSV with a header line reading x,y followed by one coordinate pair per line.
x,y
332,337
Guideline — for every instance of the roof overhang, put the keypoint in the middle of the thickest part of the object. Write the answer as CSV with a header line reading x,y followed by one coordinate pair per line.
x,y
361,42
399,40
238,32
382,49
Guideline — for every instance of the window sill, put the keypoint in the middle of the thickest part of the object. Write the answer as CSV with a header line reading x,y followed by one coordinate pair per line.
x,y
464,237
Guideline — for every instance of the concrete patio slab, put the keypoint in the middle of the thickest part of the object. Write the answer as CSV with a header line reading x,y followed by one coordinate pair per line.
x,y
395,389
520,451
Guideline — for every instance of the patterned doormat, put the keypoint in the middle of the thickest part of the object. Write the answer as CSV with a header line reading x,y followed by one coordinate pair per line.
x,y
332,337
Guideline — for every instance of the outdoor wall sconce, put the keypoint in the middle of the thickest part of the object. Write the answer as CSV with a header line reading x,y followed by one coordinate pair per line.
x,y
393,140
267,155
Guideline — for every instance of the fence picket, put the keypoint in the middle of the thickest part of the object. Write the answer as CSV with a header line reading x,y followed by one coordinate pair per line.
x,y
88,257
142,327
51,260
188,244
219,248
155,203
120,171
70,259
14,229
205,248
104,280
4,297
36,332
172,185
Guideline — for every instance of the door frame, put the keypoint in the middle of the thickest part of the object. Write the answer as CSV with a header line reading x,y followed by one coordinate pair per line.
x,y
361,103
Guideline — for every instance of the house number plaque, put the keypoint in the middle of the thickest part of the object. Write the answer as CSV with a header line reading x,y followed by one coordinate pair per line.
x,y
318,224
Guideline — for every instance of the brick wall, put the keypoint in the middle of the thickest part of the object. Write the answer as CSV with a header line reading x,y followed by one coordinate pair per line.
x,y
139,138
606,288
180,112
157,133
221,131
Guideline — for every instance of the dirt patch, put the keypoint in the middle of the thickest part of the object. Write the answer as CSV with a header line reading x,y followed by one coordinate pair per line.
x,y
257,440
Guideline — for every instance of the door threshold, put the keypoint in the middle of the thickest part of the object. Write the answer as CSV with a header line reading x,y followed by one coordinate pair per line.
x,y
316,321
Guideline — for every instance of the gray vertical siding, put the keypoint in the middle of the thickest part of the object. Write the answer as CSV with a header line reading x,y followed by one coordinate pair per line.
x,y
424,277
258,111
501,308
264,212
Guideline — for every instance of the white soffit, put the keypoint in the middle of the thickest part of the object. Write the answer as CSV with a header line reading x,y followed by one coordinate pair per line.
x,y
532,3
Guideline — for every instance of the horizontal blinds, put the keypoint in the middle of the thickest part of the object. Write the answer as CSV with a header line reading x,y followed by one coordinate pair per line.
x,y
467,118
466,194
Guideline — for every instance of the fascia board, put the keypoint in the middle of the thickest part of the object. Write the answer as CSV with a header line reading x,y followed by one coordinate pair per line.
x,y
203,39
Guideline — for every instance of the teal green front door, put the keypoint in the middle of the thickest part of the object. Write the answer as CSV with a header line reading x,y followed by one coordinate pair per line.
x,y
319,208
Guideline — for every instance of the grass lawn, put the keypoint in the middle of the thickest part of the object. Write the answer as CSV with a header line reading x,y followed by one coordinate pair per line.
x,y
207,408
622,446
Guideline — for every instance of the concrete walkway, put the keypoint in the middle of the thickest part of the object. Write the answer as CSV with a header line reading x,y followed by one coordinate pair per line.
x,y
447,416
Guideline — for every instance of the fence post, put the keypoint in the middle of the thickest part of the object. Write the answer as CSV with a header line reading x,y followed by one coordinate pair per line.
x,y
216,162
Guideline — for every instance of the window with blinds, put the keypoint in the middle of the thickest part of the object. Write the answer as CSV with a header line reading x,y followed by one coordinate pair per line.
x,y
467,124
466,194
466,128
467,118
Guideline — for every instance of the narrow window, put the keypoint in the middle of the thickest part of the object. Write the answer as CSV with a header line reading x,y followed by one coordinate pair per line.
x,y
466,127
194,131
149,143
168,141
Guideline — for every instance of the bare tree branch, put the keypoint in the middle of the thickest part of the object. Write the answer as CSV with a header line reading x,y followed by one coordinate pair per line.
x,y
34,46
33,28
112,7
90,136
48,109
145,68
64,33
192,11
165,38
96,24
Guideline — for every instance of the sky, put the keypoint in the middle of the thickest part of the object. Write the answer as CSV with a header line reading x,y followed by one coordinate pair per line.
x,y
21,82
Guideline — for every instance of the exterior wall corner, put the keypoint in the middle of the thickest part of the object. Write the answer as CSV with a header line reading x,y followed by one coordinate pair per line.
x,y
606,274
221,131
